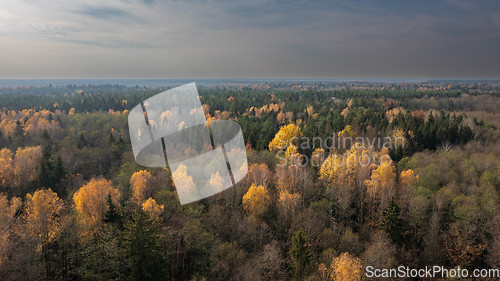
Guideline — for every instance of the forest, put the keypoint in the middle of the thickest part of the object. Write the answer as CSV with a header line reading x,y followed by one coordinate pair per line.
x,y
74,205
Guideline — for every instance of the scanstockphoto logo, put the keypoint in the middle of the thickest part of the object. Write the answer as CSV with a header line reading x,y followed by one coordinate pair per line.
x,y
170,129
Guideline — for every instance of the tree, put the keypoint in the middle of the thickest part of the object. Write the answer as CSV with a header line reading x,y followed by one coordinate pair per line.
x,y
140,183
42,216
257,200
391,221
51,170
145,256
287,135
407,177
152,208
26,164
6,166
347,135
382,180
90,201
42,221
9,211
112,215
343,268
301,255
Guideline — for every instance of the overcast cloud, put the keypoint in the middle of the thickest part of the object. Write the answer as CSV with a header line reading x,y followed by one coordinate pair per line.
x,y
250,39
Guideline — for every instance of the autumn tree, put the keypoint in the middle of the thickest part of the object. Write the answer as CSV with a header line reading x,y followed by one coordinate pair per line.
x,y
90,201
347,137
140,183
345,174
343,268
287,135
407,177
6,166
152,208
259,174
42,216
42,221
26,164
382,181
9,210
256,201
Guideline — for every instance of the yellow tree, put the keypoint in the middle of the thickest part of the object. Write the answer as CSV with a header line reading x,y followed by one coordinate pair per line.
x,y
287,135
288,202
152,208
8,211
6,166
346,173
26,164
91,201
343,268
347,132
140,183
42,216
256,201
317,157
351,167
291,152
408,177
382,179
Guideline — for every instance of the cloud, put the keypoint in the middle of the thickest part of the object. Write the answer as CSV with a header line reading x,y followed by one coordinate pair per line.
x,y
252,38
105,13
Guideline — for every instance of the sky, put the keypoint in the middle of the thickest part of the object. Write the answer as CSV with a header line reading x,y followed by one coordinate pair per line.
x,y
332,39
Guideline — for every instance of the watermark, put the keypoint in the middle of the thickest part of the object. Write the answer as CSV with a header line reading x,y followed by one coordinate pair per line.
x,y
430,272
170,129
340,148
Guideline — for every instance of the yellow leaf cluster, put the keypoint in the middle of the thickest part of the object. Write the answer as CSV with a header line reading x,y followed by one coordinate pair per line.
x,y
346,268
382,178
287,135
6,166
152,208
408,177
42,215
139,183
257,200
26,163
289,201
349,167
347,132
91,201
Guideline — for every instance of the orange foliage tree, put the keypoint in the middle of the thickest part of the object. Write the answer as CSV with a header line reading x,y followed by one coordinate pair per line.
x,y
26,164
91,201
152,208
140,184
343,268
42,216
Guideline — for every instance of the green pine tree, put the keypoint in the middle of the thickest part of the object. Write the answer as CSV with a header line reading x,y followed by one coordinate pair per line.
x,y
112,215
391,221
300,254
145,256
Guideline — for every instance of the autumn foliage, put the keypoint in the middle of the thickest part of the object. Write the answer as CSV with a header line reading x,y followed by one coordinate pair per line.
x,y
90,201
256,201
